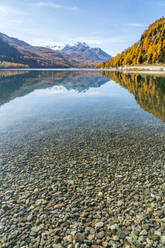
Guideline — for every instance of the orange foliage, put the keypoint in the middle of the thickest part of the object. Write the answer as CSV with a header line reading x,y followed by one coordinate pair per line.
x,y
149,50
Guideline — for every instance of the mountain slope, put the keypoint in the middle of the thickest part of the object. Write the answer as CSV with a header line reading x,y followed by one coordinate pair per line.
x,y
83,53
17,51
149,50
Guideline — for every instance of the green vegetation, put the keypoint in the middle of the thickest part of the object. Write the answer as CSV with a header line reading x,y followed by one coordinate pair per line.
x,y
149,50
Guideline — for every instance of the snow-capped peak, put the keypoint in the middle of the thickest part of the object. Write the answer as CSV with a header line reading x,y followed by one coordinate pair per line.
x,y
57,46
77,44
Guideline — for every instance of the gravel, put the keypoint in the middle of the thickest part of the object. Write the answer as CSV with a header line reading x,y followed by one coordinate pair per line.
x,y
90,186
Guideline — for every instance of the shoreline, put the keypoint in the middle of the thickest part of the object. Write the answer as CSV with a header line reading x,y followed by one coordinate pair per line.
x,y
145,69
57,69
141,69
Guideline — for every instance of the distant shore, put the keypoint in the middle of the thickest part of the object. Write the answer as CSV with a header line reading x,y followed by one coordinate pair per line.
x,y
142,69
146,69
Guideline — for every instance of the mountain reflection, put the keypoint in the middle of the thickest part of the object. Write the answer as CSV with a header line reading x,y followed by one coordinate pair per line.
x,y
20,83
149,91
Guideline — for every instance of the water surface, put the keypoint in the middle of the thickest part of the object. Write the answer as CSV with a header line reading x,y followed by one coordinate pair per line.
x,y
78,148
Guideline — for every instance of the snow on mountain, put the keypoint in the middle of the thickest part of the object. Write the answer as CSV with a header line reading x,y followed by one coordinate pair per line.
x,y
81,52
58,46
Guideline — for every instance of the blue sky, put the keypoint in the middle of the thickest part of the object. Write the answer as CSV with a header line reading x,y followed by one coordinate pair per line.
x,y
112,25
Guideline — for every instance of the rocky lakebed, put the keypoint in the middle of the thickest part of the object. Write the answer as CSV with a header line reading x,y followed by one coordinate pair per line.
x,y
82,160
83,187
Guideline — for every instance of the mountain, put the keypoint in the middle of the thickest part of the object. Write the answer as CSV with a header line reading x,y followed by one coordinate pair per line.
x,y
150,49
17,53
82,53
56,47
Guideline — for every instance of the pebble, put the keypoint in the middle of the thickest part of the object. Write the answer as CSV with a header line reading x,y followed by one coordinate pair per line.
x,y
144,233
99,225
121,235
58,206
163,239
100,235
36,229
115,237
90,237
69,238
59,188
79,237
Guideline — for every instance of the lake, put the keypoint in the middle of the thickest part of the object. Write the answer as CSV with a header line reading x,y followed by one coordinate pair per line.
x,y
82,161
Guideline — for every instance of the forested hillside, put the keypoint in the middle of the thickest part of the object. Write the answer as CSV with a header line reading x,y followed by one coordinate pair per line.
x,y
149,50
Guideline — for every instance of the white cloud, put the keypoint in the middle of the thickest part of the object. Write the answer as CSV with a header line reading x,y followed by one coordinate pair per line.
x,y
99,40
72,8
89,40
138,25
48,4
11,18
9,11
44,43
54,5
